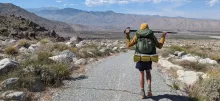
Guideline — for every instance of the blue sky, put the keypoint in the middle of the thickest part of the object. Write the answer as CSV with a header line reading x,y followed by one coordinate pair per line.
x,y
208,9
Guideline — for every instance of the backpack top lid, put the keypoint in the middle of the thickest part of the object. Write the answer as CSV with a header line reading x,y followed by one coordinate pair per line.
x,y
145,33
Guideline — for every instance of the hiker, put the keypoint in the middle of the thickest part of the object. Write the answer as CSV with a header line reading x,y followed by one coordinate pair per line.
x,y
145,52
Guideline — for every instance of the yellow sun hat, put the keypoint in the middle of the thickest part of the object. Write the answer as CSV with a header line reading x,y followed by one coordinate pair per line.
x,y
143,26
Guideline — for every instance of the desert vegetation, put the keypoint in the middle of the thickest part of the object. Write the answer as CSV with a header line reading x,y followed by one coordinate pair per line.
x,y
29,66
194,67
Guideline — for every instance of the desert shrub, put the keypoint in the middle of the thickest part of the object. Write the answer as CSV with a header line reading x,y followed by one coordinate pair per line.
x,y
192,65
44,56
24,43
174,48
62,47
165,52
175,86
60,70
11,50
44,41
210,89
193,91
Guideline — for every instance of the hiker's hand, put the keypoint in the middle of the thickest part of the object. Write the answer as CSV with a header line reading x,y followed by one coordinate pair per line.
x,y
127,31
164,34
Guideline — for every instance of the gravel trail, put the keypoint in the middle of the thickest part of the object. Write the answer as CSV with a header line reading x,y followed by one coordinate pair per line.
x,y
115,79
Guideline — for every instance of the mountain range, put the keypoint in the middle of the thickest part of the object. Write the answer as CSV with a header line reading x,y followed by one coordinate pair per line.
x,y
7,9
109,20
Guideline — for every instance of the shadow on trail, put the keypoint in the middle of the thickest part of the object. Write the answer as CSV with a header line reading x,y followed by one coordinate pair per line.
x,y
81,77
169,96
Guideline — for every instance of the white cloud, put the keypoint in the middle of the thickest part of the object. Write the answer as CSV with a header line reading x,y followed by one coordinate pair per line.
x,y
212,2
101,2
58,1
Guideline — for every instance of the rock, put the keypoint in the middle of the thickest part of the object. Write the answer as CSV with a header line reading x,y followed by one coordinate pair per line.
x,y
65,56
90,53
205,76
7,64
189,58
168,65
75,40
92,60
81,62
115,48
9,82
23,50
33,45
176,53
13,95
122,47
103,50
31,49
188,77
70,44
69,53
116,42
180,54
80,44
208,61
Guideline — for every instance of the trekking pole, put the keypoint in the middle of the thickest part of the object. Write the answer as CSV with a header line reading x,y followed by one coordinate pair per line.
x,y
153,31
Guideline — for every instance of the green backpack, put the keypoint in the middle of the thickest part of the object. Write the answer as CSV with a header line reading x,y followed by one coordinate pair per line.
x,y
145,42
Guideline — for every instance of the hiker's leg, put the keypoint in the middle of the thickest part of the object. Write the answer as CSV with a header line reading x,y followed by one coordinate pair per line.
x,y
148,77
141,79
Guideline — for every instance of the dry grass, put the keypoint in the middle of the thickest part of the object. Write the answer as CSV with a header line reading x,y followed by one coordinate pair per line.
x,y
11,50
23,43
172,72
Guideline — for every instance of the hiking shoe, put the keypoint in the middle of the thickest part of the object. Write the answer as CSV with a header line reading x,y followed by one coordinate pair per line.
x,y
149,93
142,94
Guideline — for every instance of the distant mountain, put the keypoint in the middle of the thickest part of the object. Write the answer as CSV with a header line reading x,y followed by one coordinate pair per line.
x,y
7,9
110,20
42,8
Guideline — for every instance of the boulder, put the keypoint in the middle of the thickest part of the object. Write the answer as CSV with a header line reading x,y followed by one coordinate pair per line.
x,y
81,62
23,50
189,58
75,39
168,65
103,49
115,48
188,77
9,82
13,95
65,56
70,44
180,54
116,42
176,53
92,60
7,64
80,44
208,61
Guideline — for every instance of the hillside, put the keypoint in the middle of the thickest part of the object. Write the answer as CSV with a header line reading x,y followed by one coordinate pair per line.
x,y
7,9
117,21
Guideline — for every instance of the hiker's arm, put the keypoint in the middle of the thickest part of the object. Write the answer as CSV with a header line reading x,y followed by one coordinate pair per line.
x,y
130,42
161,42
